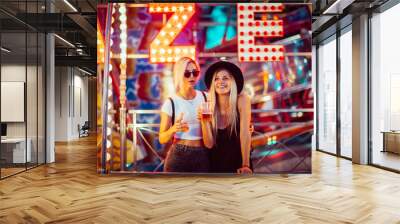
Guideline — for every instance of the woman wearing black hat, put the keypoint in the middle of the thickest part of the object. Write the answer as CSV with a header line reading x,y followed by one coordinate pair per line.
x,y
229,129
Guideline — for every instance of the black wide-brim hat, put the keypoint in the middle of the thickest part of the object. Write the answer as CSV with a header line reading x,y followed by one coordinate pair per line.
x,y
232,68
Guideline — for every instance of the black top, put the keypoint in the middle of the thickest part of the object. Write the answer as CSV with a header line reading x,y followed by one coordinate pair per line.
x,y
226,156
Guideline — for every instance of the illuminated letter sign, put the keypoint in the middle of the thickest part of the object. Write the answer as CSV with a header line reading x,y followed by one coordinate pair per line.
x,y
160,48
249,28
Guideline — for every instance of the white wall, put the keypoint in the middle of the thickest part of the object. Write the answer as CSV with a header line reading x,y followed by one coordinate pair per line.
x,y
16,73
61,103
71,102
34,125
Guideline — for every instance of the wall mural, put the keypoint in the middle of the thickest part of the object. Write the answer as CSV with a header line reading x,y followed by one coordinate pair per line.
x,y
204,88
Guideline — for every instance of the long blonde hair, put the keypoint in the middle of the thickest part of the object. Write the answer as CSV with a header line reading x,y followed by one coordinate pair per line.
x,y
179,70
232,113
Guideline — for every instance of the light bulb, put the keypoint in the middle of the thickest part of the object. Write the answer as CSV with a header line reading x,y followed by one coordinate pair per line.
x,y
122,10
122,18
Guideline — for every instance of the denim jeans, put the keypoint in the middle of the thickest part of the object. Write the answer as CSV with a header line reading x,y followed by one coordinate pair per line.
x,y
183,158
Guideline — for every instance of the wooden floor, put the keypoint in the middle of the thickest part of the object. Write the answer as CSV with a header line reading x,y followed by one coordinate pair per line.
x,y
70,191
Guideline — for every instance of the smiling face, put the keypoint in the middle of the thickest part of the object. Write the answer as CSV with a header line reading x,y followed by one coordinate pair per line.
x,y
223,82
190,81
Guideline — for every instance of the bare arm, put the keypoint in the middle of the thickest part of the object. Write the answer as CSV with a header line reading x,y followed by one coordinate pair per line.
x,y
166,130
244,105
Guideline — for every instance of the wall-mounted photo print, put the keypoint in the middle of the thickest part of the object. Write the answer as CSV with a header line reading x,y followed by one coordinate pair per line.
x,y
215,88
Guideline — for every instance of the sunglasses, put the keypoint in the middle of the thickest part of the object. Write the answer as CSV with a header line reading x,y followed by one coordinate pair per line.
x,y
193,73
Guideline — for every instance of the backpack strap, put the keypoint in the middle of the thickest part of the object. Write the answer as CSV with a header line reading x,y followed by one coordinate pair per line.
x,y
173,110
204,95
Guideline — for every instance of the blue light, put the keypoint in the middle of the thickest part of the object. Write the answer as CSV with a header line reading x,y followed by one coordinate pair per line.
x,y
271,77
270,152
278,86
215,34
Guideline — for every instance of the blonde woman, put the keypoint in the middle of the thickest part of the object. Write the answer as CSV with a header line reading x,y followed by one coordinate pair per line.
x,y
228,129
179,122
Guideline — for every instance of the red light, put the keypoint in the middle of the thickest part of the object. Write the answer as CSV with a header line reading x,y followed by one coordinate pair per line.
x,y
280,23
242,58
257,7
266,49
241,24
265,23
258,49
281,58
266,58
273,49
241,16
241,7
241,33
250,41
242,41
273,7
251,33
250,16
258,33
241,49
265,33
250,24
280,7
251,58
273,58
273,33
280,33
257,23
272,23
281,49
250,49
258,58
265,7
250,7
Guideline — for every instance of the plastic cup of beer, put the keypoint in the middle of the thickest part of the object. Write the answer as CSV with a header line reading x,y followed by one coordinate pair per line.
x,y
185,127
206,111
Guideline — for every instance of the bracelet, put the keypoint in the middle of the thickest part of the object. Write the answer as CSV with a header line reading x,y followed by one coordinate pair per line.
x,y
246,166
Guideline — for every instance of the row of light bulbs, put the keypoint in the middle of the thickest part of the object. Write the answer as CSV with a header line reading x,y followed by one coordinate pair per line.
x,y
175,8
177,50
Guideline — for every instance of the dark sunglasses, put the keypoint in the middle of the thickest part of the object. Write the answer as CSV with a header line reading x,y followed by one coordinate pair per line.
x,y
195,73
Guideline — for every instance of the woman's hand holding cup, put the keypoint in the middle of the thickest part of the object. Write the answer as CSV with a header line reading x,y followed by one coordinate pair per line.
x,y
179,125
204,112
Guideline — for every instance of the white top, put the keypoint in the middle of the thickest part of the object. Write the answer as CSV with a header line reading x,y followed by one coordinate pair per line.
x,y
189,110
